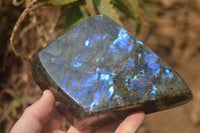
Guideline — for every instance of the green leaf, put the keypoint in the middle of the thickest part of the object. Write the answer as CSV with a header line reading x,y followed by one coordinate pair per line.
x,y
73,16
122,7
105,7
15,103
27,99
131,9
62,2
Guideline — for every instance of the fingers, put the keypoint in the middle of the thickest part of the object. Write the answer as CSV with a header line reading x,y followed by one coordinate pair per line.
x,y
108,128
74,130
131,123
36,115
53,124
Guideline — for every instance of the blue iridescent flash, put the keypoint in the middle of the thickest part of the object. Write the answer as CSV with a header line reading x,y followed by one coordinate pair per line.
x,y
104,63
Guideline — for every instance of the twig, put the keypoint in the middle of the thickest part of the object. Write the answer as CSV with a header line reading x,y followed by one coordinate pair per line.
x,y
17,3
19,21
91,8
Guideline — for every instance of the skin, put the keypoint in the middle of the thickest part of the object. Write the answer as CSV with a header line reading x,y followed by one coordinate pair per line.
x,y
41,117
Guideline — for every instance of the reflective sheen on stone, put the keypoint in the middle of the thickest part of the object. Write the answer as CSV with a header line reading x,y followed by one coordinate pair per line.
x,y
99,72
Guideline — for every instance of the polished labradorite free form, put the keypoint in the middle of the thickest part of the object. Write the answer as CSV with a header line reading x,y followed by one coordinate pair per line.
x,y
98,67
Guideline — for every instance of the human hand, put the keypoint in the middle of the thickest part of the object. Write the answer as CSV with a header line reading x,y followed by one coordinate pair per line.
x,y
41,117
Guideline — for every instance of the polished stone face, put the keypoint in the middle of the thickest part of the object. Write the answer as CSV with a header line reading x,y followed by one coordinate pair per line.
x,y
98,66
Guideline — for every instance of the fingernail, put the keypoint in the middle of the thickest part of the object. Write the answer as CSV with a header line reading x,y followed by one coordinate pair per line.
x,y
45,93
48,94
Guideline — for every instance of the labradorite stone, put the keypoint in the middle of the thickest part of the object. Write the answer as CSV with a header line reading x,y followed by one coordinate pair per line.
x,y
99,73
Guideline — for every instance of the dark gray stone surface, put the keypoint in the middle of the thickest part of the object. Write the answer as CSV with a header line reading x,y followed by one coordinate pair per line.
x,y
100,72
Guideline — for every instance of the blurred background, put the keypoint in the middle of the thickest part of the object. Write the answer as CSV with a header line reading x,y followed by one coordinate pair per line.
x,y
171,28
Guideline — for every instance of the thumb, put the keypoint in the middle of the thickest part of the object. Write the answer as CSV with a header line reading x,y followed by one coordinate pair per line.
x,y
36,115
